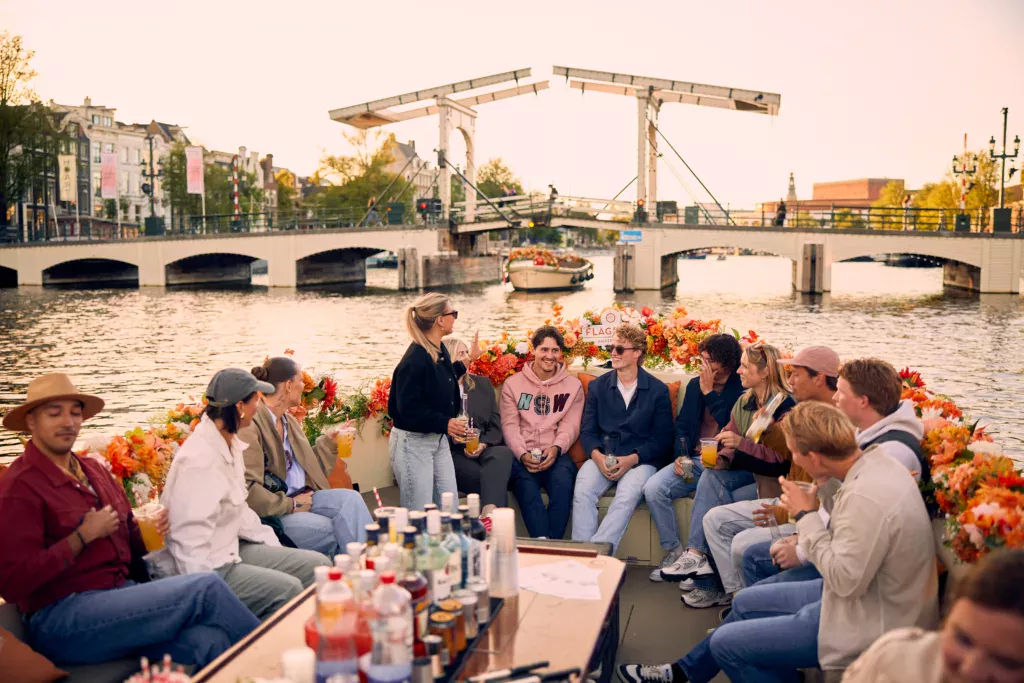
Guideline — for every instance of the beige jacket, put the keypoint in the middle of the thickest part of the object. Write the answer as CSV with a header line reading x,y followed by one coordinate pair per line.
x,y
877,559
266,449
900,656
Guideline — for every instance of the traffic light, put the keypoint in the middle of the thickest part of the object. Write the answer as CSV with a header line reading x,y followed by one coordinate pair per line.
x,y
147,189
422,206
531,224
641,212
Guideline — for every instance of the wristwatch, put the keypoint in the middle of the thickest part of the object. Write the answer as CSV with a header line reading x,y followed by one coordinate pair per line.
x,y
558,450
800,515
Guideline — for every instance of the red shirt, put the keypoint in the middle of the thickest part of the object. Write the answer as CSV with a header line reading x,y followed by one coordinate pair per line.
x,y
40,506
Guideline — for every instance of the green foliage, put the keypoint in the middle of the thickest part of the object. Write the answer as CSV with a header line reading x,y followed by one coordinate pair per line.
x,y
124,205
110,209
286,191
845,218
25,125
357,178
494,175
892,195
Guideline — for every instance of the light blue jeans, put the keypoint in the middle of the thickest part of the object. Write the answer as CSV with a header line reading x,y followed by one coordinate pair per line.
x,y
590,486
193,618
337,517
423,466
660,491
717,487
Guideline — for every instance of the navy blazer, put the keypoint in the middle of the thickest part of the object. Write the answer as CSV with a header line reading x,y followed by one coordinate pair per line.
x,y
644,428
691,413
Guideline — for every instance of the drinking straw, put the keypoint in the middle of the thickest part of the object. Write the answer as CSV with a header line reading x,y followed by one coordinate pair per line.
x,y
376,495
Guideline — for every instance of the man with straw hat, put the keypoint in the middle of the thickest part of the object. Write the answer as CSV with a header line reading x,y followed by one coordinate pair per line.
x,y
71,554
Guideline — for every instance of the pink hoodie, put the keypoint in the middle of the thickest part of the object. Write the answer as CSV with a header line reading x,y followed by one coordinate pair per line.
x,y
537,414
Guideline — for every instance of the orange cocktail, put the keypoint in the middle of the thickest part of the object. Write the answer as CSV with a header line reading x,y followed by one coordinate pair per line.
x,y
146,516
472,439
709,452
346,437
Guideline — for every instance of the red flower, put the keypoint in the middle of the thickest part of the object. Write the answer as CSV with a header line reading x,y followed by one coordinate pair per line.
x,y
911,378
330,388
646,312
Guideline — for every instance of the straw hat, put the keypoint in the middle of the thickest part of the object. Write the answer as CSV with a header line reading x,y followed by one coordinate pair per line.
x,y
54,387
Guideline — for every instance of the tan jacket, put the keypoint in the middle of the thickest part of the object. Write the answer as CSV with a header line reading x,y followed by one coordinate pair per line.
x,y
265,445
900,656
877,559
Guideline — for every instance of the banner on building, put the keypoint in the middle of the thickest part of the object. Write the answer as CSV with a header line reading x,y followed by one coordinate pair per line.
x,y
194,169
108,175
67,165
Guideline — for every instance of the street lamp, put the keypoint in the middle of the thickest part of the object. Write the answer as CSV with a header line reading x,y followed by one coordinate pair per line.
x,y
1004,156
965,166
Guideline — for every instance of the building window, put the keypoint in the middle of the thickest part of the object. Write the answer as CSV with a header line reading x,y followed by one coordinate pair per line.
x,y
96,153
124,155
107,121
96,119
108,147
138,156
83,151
72,130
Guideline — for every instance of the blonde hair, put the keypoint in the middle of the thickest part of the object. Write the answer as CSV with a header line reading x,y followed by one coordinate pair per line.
x,y
421,316
636,337
814,426
766,356
456,346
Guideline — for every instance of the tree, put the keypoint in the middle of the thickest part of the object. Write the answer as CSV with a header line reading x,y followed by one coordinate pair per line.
x,y
286,192
124,204
892,195
110,209
495,175
22,121
355,179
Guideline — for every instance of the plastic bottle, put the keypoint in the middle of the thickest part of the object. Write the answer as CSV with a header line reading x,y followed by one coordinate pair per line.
x,y
335,619
478,532
764,417
354,550
465,548
372,549
365,583
451,543
448,502
391,658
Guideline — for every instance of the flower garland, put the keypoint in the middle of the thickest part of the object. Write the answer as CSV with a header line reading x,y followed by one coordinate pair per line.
x,y
979,491
543,257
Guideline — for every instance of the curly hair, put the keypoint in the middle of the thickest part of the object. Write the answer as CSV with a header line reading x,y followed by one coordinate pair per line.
x,y
723,349
636,338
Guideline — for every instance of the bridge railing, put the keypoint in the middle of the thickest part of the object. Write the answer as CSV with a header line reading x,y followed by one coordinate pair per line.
x,y
520,207
70,229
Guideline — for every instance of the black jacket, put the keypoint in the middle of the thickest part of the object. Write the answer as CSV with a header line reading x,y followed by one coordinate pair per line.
x,y
483,409
691,413
424,394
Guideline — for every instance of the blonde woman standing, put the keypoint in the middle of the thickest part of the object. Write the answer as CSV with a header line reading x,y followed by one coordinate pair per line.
x,y
424,403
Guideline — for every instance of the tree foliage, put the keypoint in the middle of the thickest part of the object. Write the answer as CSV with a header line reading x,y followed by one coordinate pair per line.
x,y
495,177
24,123
892,195
364,175
286,191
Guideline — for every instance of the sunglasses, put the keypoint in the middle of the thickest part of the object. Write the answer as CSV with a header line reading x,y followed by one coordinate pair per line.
x,y
453,314
619,349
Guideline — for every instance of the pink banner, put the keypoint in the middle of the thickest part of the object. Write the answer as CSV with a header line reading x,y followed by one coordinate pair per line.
x,y
108,170
194,169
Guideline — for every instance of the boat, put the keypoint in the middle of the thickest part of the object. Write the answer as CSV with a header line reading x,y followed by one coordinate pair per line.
x,y
693,256
721,257
387,260
535,270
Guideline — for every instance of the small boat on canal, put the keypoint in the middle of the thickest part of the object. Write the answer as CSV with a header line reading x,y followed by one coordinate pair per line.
x,y
536,270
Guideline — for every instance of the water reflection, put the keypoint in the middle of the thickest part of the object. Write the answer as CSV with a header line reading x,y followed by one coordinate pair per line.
x,y
144,350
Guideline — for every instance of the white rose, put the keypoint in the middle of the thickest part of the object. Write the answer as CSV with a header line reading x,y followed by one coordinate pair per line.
x,y
522,348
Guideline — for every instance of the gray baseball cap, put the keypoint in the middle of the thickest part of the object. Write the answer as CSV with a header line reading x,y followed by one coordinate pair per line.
x,y
232,385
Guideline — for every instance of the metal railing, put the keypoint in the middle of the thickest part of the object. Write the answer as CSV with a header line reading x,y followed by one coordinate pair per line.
x,y
68,229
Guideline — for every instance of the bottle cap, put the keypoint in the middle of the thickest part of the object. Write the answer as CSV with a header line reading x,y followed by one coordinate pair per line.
x,y
354,550
433,522
457,518
342,562
473,502
381,564
428,507
447,500
334,574
387,577
400,518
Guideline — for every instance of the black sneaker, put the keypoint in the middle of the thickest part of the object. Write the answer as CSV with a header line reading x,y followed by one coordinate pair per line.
x,y
642,673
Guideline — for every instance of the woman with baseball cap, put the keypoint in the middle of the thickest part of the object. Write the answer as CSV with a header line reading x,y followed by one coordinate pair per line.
x,y
212,526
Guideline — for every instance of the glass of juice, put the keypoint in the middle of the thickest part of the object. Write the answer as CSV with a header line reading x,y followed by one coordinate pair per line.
x,y
345,436
472,439
146,516
709,452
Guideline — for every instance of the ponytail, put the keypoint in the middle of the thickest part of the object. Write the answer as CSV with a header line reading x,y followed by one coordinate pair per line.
x,y
421,316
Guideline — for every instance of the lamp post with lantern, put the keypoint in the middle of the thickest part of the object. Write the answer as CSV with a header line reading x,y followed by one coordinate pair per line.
x,y
1003,156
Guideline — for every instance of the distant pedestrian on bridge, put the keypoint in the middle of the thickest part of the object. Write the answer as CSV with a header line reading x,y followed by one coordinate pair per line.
x,y
908,223
371,216
780,214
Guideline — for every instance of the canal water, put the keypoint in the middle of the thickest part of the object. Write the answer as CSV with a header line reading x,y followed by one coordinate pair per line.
x,y
143,350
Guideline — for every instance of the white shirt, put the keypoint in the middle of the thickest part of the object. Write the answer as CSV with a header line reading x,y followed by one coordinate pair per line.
x,y
627,392
205,497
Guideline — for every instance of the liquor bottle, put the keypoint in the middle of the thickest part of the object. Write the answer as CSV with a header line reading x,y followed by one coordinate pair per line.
x,y
451,543
464,549
472,550
464,418
763,417
479,530
435,560
391,658
335,620
372,550
419,520
448,502
414,582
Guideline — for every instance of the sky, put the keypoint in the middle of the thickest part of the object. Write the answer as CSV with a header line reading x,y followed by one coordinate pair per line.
x,y
869,89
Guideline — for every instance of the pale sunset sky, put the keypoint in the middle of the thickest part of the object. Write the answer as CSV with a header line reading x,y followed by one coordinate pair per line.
x,y
869,89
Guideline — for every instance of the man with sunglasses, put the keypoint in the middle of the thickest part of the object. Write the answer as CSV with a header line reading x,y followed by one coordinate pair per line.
x,y
629,413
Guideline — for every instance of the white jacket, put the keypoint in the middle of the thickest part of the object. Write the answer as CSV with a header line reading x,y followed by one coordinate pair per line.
x,y
904,419
205,497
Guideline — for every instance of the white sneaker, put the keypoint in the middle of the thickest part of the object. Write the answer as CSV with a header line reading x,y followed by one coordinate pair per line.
x,y
640,673
689,564
670,558
706,597
687,585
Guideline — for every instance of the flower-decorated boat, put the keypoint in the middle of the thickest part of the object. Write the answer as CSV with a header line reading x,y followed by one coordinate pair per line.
x,y
533,269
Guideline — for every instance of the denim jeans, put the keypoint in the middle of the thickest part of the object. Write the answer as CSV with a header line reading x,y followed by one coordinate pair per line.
x,y
590,486
269,576
770,633
660,491
717,487
422,464
758,568
193,618
558,481
337,517
729,530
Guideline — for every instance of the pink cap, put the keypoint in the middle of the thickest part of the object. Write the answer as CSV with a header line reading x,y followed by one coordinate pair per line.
x,y
821,359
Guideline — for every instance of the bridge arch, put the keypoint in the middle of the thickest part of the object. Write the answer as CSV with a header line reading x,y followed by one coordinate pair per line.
x,y
91,273
341,265
943,254
210,268
8,277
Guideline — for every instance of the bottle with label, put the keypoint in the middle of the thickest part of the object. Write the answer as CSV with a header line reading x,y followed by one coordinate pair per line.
x,y
372,550
464,418
479,530
764,417
419,520
435,560
336,651
450,541
464,548
365,583
473,549
391,658
414,582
